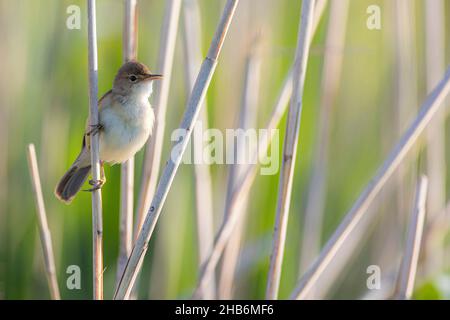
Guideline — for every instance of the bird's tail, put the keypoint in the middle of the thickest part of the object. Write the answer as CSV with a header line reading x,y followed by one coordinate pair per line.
x,y
71,183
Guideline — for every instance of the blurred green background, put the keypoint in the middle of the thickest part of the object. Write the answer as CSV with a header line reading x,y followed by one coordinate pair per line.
x,y
44,100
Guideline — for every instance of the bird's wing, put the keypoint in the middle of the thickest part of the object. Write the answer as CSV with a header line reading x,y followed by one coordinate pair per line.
x,y
88,128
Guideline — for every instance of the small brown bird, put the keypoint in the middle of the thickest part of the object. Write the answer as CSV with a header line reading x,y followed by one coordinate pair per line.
x,y
125,122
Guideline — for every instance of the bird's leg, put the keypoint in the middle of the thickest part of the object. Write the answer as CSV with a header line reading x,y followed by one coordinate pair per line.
x,y
98,184
95,129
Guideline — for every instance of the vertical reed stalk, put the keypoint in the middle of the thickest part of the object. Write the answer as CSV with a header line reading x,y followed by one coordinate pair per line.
x,y
44,231
245,183
436,167
153,150
247,120
203,184
332,65
290,149
407,274
189,120
97,224
406,100
129,52
429,108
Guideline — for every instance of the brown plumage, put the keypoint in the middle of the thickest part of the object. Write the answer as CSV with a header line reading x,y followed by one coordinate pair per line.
x,y
125,122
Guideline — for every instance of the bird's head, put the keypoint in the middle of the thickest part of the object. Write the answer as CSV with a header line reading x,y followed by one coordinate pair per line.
x,y
134,78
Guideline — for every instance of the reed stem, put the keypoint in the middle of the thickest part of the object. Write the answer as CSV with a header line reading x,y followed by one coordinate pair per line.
x,y
429,108
189,120
129,52
203,183
247,120
153,150
436,164
290,149
408,268
331,74
97,224
245,183
44,230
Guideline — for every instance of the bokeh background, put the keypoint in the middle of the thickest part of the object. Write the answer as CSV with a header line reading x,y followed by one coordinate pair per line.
x,y
44,100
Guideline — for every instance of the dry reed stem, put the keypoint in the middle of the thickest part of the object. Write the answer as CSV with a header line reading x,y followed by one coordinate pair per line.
x,y
44,231
290,149
319,8
408,268
97,224
431,105
435,62
406,102
203,184
189,120
153,150
247,120
436,166
332,66
244,184
129,52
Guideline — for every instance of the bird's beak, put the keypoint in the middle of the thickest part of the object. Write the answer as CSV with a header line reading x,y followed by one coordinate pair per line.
x,y
152,76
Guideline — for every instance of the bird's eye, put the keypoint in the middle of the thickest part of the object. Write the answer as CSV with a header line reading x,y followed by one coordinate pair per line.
x,y
133,78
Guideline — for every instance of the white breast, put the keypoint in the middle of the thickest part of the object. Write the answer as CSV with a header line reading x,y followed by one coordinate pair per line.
x,y
126,128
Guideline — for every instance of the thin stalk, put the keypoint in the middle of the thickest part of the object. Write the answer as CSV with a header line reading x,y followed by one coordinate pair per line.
x,y
407,274
247,120
319,8
429,108
203,184
189,120
245,183
44,231
436,166
332,67
153,150
129,52
243,187
97,224
406,100
290,149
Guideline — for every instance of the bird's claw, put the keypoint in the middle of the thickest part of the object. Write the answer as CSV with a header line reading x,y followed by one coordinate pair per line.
x,y
96,184
95,129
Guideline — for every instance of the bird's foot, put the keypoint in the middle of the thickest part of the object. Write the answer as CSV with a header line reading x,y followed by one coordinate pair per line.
x,y
96,184
95,129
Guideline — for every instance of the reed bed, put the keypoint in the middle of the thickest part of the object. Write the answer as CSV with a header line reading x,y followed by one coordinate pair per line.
x,y
429,108
227,231
247,120
152,158
203,184
332,66
245,182
188,122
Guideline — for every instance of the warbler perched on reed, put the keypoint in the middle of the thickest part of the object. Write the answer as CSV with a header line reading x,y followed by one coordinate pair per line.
x,y
125,122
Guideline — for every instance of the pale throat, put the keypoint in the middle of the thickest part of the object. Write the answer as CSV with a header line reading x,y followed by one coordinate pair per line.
x,y
140,93
143,91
